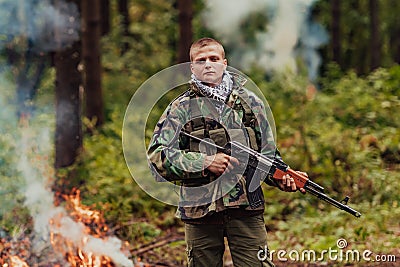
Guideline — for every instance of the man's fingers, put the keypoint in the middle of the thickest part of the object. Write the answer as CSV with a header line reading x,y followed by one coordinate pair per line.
x,y
230,167
288,183
225,162
293,184
231,163
288,180
284,178
221,163
234,160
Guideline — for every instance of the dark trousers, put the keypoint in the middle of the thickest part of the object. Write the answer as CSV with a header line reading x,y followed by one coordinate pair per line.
x,y
247,240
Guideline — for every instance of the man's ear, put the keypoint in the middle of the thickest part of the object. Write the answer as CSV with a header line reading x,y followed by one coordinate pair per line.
x,y
225,63
191,67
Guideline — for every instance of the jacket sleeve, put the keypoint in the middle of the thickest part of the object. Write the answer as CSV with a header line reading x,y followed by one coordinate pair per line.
x,y
166,157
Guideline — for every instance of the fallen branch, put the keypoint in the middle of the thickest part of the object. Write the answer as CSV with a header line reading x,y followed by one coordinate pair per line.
x,y
156,244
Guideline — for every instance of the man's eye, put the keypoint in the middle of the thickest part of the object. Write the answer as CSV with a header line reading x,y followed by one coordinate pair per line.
x,y
200,62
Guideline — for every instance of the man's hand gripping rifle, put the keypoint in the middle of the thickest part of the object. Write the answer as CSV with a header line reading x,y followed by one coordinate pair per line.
x,y
275,168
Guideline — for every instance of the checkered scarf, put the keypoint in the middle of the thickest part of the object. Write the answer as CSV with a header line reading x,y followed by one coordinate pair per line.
x,y
219,92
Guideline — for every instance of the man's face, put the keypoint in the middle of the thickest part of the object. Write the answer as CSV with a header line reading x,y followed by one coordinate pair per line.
x,y
208,64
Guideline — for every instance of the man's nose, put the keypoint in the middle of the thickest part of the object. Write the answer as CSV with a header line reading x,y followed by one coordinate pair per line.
x,y
208,63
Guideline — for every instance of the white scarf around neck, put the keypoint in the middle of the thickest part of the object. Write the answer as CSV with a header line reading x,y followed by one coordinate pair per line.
x,y
219,92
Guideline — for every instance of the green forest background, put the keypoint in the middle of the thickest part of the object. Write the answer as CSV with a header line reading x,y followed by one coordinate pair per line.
x,y
343,129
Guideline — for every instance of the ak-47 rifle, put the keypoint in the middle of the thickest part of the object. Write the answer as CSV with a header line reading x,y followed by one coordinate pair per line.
x,y
275,168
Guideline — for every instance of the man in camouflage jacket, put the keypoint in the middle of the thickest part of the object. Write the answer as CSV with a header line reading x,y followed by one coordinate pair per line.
x,y
215,202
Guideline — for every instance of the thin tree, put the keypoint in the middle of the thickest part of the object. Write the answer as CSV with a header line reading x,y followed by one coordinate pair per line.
x,y
105,16
391,31
336,46
68,133
185,8
375,40
395,43
91,34
358,50
123,11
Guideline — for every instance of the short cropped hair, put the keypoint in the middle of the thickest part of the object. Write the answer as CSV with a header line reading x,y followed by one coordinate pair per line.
x,y
206,41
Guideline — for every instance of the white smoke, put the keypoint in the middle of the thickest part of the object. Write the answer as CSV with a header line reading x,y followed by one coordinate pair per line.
x,y
225,16
75,232
39,198
289,33
44,26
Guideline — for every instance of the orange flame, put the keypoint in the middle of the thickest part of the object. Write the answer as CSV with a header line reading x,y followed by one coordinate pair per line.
x,y
79,258
17,262
94,224
75,249
86,215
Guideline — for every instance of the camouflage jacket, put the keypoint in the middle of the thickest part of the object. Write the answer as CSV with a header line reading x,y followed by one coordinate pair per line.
x,y
179,160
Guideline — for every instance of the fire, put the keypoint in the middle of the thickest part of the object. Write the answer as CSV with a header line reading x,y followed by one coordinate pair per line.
x,y
69,234
92,224
88,260
86,215
15,261
11,247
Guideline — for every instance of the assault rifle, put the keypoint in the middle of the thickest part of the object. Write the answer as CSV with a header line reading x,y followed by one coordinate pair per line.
x,y
276,168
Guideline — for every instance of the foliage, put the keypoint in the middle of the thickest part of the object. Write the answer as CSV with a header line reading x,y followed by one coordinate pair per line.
x,y
346,136
109,185
14,216
355,32
149,51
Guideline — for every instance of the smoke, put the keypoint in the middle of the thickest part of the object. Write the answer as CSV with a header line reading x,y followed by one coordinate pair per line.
x,y
34,148
225,17
38,25
288,34
28,28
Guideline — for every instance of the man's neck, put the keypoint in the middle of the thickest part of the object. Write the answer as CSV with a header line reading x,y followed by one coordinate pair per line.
x,y
212,84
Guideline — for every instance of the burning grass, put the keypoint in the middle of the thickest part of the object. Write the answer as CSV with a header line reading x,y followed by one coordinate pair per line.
x,y
65,233
80,239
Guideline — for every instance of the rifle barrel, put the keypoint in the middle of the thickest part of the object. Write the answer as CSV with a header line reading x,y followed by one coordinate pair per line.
x,y
332,201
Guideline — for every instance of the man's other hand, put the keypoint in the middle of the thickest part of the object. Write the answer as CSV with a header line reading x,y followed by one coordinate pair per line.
x,y
220,162
288,184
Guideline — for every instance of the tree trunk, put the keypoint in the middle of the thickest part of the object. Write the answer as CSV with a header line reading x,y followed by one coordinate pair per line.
x,y
68,135
393,30
105,17
375,42
123,11
358,43
336,51
91,33
395,44
185,8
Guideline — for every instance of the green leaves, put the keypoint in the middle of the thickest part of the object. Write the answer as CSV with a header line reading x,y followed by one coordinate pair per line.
x,y
347,139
